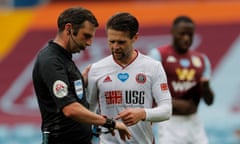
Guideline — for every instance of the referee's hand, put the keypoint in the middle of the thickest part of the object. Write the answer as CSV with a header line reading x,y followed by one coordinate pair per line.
x,y
85,74
123,131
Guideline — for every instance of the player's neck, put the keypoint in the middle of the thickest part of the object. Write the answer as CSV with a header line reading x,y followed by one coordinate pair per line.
x,y
128,60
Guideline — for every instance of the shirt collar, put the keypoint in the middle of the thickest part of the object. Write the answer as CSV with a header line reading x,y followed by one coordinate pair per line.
x,y
61,49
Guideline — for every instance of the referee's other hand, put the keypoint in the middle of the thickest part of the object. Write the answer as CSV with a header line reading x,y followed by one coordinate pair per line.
x,y
85,74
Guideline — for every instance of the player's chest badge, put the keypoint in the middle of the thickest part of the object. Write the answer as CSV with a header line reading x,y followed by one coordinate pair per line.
x,y
184,62
141,78
196,61
123,76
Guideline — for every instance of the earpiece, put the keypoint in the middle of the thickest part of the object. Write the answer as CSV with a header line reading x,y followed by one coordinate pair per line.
x,y
74,33
69,32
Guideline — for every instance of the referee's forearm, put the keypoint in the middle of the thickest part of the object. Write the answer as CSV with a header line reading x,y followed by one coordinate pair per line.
x,y
79,113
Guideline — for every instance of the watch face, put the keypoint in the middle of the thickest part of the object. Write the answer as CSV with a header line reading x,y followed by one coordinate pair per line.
x,y
110,124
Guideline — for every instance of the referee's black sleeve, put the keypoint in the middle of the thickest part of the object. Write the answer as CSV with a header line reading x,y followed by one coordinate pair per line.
x,y
54,69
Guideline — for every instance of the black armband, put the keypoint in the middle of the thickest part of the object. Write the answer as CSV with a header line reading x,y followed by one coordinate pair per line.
x,y
110,124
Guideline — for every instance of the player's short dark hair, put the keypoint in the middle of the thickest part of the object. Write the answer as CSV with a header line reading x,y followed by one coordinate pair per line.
x,y
125,22
76,16
182,18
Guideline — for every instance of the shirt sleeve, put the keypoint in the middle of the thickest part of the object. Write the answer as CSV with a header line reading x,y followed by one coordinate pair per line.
x,y
92,90
162,96
154,53
54,75
207,68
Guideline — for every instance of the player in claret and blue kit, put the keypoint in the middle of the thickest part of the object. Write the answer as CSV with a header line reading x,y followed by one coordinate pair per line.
x,y
188,74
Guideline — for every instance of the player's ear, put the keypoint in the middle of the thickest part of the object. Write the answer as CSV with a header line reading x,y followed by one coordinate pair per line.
x,y
136,36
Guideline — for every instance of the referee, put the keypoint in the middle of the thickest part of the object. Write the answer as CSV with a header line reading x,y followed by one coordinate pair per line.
x,y
60,86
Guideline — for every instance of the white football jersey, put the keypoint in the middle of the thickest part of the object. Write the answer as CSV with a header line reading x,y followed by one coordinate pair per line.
x,y
113,88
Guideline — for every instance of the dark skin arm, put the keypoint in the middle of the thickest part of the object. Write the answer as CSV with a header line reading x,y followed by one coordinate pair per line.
x,y
184,106
189,104
206,92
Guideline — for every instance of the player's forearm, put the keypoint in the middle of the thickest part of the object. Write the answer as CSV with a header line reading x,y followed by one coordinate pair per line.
x,y
206,92
183,107
160,113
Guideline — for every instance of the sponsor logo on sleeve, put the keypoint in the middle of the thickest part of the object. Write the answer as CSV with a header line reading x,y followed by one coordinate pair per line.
x,y
164,86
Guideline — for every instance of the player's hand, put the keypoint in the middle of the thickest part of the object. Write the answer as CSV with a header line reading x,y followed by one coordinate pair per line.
x,y
131,116
85,74
123,131
206,92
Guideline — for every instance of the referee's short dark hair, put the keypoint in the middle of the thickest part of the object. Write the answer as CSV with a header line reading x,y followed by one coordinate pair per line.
x,y
76,16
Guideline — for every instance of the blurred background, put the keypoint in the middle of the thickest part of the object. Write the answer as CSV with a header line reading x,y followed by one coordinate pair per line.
x,y
27,25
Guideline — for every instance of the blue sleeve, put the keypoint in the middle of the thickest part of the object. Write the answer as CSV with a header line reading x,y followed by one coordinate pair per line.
x,y
154,53
207,69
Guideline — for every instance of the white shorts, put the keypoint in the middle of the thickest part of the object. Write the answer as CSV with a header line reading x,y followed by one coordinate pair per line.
x,y
180,130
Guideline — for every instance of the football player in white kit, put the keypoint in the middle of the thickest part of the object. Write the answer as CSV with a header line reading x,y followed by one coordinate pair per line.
x,y
128,85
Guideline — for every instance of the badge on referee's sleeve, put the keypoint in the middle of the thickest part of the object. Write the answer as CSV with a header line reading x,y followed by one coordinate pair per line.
x,y
79,88
60,89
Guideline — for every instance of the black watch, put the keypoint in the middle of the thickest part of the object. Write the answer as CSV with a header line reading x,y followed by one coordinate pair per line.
x,y
110,124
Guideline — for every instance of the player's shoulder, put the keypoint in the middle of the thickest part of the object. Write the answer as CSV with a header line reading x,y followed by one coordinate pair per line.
x,y
102,67
165,49
150,64
146,59
198,54
103,62
160,51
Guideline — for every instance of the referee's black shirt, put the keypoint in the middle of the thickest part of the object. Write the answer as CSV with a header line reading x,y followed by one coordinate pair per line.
x,y
58,82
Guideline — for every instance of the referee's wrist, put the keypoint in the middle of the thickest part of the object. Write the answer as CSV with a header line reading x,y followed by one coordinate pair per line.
x,y
110,123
